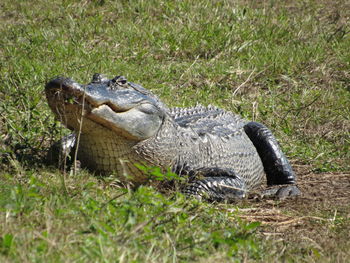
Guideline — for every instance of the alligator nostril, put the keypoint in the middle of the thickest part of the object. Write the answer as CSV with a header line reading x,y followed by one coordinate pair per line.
x,y
99,78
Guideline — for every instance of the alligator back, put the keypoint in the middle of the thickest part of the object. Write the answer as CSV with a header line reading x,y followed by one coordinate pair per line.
x,y
214,138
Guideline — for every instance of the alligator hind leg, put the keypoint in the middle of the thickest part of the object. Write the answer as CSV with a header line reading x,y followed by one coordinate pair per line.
x,y
215,185
281,192
277,168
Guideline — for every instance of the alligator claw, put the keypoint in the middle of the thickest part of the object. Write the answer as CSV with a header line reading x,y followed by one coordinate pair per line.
x,y
281,192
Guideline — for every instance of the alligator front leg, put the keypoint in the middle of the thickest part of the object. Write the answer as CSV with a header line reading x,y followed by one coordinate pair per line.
x,y
61,153
215,185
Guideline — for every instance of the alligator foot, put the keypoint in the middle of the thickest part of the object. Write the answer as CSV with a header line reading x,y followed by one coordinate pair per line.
x,y
216,189
281,192
60,153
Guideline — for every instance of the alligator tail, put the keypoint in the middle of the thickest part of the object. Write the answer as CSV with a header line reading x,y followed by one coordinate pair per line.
x,y
276,166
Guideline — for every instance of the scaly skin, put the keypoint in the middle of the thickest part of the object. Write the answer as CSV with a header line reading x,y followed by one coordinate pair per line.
x,y
120,124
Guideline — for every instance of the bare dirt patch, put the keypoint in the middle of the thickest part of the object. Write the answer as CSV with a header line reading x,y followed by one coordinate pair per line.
x,y
319,220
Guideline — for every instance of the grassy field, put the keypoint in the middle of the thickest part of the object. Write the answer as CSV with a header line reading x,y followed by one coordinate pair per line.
x,y
285,65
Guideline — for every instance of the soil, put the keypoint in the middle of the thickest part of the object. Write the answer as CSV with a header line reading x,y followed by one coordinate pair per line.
x,y
318,219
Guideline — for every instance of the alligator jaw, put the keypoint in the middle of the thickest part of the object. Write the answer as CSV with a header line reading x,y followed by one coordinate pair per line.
x,y
122,110
72,93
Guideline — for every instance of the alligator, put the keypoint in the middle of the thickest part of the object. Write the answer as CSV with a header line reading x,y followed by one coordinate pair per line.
x,y
118,124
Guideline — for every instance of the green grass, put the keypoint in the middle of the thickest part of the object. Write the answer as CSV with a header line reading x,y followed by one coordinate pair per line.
x,y
286,65
94,222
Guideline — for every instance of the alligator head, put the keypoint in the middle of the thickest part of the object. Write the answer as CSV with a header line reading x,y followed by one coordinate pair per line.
x,y
116,104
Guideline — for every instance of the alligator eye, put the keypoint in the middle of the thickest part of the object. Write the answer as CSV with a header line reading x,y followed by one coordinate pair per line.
x,y
121,80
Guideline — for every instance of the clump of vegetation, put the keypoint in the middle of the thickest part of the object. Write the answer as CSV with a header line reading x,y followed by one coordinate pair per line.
x,y
88,220
283,64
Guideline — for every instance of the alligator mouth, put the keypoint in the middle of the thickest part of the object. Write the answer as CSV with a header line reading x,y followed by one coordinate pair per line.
x,y
66,92
121,109
71,101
